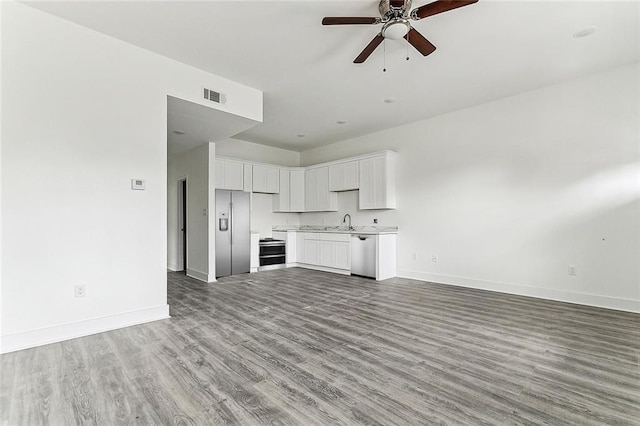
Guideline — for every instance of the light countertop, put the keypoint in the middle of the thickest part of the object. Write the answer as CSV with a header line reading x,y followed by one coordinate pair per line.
x,y
368,230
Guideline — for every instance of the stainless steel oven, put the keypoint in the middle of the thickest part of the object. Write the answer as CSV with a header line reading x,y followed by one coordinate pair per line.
x,y
273,254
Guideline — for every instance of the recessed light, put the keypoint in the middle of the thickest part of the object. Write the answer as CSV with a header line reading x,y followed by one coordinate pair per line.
x,y
389,101
341,122
585,32
301,135
178,132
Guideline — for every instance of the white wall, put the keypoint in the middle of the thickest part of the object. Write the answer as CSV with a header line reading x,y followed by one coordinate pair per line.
x,y
194,166
348,203
510,193
263,218
249,151
82,114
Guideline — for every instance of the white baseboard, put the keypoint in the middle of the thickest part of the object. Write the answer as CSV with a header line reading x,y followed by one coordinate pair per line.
x,y
58,333
620,304
201,276
319,268
172,267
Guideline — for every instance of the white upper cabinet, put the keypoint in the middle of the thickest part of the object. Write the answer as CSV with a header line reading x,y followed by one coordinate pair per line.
x,y
266,179
229,174
248,177
259,179
291,195
296,190
343,176
377,182
310,190
317,195
219,174
282,200
315,188
273,180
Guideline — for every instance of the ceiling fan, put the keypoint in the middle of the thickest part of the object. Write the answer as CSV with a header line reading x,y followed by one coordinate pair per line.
x,y
394,17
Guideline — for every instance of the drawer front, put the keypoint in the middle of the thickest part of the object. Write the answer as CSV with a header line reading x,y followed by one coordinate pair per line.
x,y
335,237
311,236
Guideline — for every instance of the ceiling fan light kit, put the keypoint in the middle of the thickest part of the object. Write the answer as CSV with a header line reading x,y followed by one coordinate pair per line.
x,y
395,30
395,16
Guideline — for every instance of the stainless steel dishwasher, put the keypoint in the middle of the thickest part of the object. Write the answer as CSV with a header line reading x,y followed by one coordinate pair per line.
x,y
363,255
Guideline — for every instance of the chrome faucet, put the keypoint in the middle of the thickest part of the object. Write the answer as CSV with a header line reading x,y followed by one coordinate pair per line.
x,y
344,219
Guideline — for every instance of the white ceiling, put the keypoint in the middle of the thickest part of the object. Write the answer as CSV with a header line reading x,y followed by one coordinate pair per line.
x,y
485,51
190,125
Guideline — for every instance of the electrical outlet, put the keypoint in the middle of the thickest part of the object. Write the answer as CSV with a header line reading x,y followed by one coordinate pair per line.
x,y
434,258
80,290
414,256
572,270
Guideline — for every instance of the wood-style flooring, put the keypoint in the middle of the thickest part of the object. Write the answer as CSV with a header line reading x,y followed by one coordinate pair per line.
x,y
304,347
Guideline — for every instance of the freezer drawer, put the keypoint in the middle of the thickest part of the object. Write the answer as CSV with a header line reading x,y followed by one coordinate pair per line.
x,y
363,255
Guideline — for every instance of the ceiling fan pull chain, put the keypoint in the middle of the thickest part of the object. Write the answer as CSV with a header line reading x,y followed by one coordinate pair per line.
x,y
408,46
384,55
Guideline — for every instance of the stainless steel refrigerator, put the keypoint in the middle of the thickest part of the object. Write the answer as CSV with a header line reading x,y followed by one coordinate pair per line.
x,y
233,232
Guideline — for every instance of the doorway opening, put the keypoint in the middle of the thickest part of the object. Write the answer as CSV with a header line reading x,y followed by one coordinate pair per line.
x,y
182,261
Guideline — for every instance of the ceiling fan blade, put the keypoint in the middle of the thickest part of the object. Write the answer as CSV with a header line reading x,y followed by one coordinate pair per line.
x,y
349,20
418,41
369,49
396,3
439,6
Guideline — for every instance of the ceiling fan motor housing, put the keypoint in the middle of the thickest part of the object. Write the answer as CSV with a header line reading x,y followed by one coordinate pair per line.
x,y
389,11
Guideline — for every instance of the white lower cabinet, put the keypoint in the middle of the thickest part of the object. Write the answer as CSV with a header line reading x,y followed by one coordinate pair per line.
x,y
254,259
342,259
299,247
324,249
311,252
335,251
327,253
332,252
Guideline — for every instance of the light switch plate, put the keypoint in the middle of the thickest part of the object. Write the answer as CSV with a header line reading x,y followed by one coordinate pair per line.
x,y
137,184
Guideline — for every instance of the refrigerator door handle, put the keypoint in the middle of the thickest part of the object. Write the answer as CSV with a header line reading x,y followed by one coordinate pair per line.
x,y
231,216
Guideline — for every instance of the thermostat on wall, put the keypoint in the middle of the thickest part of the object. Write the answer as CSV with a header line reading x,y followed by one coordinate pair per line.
x,y
137,184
